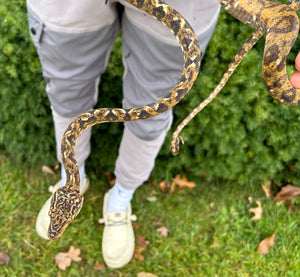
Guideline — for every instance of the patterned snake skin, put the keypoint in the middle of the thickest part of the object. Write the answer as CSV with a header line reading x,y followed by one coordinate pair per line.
x,y
67,201
280,23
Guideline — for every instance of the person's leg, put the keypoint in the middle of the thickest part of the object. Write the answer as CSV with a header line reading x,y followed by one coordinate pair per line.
x,y
153,62
71,64
152,67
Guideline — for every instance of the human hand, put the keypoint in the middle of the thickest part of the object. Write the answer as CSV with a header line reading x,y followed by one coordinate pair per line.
x,y
295,77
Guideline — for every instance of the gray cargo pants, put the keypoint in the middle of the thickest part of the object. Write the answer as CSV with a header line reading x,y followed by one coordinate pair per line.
x,y
72,64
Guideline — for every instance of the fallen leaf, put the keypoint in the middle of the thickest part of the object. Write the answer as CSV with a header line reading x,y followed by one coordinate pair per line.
x,y
47,169
163,230
265,245
257,211
140,240
163,185
138,253
135,226
74,253
142,244
57,166
183,182
267,188
146,274
99,266
64,259
250,199
4,259
288,192
110,177
150,181
172,188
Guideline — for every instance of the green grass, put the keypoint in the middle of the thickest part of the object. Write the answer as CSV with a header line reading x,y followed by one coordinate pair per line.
x,y
211,233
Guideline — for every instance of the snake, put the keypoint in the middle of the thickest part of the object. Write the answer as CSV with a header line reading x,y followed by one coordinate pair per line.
x,y
67,201
280,23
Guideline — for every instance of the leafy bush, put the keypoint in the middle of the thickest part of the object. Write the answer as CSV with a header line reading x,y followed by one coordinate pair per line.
x,y
243,135
25,119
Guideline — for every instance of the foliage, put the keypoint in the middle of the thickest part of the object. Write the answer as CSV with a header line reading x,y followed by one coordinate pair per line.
x,y
25,120
210,231
243,135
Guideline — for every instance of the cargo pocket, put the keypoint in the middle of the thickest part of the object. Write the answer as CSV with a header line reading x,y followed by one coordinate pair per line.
x,y
36,27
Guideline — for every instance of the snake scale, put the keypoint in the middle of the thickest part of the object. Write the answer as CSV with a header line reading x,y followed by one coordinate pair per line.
x,y
278,21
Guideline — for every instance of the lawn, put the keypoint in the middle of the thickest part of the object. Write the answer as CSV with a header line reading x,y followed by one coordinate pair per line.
x,y
210,229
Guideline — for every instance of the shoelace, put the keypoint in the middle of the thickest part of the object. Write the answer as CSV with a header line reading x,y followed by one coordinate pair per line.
x,y
118,221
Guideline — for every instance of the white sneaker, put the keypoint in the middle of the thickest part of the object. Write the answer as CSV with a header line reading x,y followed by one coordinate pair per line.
x,y
118,236
43,220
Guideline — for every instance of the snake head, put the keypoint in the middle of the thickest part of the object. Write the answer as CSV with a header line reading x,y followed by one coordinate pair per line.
x,y
65,206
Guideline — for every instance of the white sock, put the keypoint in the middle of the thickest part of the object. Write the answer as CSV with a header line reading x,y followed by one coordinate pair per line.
x,y
119,198
64,176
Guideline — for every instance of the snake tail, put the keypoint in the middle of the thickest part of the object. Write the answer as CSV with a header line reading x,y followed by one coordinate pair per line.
x,y
247,46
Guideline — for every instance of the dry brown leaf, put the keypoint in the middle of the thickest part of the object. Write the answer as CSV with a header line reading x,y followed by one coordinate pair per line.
x,y
4,259
267,188
265,245
172,188
163,185
250,199
135,226
142,244
110,177
48,169
140,240
99,266
163,230
64,260
257,211
146,274
138,253
150,181
183,182
74,253
288,192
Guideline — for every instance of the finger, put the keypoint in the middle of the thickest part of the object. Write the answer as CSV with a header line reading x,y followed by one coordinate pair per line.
x,y
297,62
295,79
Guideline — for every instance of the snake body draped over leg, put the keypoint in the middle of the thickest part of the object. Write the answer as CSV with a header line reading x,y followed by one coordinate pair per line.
x,y
67,201
280,24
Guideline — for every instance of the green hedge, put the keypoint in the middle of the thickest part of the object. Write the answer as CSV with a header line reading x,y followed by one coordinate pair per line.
x,y
243,135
